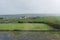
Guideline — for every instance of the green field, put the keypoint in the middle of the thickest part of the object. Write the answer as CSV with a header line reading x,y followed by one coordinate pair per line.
x,y
25,26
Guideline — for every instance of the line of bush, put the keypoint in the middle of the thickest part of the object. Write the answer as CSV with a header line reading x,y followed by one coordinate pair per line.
x,y
52,21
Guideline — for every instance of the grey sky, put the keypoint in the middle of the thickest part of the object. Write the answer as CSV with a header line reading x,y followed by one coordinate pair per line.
x,y
29,6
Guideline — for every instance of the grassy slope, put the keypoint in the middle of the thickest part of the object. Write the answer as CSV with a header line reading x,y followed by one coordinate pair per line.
x,y
25,26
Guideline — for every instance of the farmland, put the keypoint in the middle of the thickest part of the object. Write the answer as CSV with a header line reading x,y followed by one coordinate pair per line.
x,y
32,23
25,26
16,25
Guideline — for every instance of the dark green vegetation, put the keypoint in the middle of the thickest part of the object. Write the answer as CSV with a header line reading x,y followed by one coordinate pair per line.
x,y
31,23
52,21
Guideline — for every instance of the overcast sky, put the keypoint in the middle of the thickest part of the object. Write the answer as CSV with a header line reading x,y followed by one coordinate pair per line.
x,y
29,6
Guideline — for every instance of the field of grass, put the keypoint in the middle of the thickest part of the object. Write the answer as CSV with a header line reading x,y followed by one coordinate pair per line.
x,y
25,26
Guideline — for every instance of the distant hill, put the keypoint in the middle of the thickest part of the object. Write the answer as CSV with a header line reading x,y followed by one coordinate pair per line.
x,y
27,15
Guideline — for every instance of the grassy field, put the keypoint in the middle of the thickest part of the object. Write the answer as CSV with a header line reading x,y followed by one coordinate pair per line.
x,y
25,26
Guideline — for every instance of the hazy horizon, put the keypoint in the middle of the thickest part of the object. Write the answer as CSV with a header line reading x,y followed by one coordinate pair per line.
x,y
34,14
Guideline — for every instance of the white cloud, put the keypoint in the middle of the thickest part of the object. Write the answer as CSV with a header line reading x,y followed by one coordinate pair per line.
x,y
29,6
